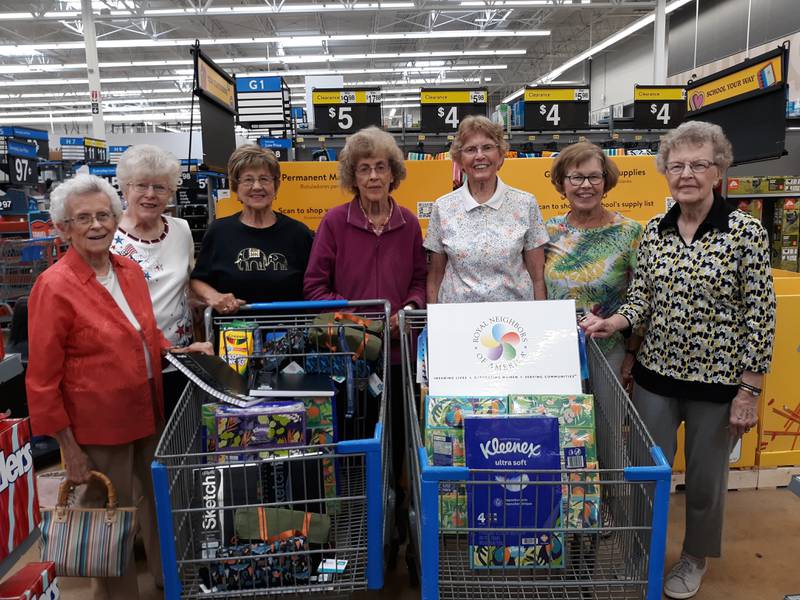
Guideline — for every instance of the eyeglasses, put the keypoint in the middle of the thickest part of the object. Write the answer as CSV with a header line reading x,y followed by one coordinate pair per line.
x,y
577,179
84,219
249,182
697,166
380,169
484,148
158,189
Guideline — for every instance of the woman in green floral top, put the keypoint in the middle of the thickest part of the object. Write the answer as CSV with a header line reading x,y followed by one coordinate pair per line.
x,y
592,251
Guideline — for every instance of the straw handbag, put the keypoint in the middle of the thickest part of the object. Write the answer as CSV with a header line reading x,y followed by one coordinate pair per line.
x,y
88,542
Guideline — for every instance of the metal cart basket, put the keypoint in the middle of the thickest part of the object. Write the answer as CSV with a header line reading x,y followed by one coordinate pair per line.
x,y
617,555
332,491
22,261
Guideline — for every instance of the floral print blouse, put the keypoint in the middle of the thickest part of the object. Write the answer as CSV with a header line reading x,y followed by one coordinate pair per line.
x,y
592,266
484,244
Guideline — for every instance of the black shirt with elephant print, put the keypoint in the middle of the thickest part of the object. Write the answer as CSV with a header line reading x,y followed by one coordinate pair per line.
x,y
253,264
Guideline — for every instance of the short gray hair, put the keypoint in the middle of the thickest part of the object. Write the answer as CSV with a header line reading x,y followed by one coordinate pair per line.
x,y
145,161
696,133
80,185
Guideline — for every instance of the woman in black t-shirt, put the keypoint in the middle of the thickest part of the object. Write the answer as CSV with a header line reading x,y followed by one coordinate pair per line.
x,y
256,255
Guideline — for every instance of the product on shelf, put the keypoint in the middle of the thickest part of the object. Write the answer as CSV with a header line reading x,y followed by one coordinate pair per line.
x,y
19,504
786,234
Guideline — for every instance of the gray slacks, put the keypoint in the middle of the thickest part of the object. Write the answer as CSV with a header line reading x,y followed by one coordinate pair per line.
x,y
708,446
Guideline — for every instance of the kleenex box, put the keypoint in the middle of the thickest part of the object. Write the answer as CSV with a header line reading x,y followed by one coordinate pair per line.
x,y
505,445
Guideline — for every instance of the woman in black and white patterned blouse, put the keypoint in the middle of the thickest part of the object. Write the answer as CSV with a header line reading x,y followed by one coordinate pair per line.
x,y
703,287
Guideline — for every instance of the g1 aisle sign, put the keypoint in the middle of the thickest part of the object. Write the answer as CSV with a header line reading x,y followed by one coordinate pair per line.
x,y
309,189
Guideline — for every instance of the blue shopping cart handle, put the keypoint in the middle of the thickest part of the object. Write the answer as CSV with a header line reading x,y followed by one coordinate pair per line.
x,y
295,305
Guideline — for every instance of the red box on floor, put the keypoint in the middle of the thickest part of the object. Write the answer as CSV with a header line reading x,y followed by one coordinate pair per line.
x,y
19,505
35,581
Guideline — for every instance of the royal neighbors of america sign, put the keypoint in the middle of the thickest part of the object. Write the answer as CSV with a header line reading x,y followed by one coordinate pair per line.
x,y
503,348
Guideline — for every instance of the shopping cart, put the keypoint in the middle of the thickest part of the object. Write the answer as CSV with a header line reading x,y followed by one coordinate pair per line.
x,y
620,556
338,486
21,262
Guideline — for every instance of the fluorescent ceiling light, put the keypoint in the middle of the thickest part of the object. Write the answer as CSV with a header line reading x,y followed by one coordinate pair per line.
x,y
17,51
606,43
292,73
106,94
284,40
123,118
87,111
213,11
288,60
106,102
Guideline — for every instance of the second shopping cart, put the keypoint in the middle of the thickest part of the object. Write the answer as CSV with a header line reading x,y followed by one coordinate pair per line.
x,y
607,533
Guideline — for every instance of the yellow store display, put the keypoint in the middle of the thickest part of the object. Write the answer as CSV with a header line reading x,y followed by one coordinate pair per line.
x,y
779,418
309,189
742,456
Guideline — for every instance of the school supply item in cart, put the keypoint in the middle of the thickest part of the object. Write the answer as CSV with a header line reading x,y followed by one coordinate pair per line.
x,y
291,385
444,442
282,560
363,337
575,414
88,542
236,344
264,522
213,375
33,581
422,356
19,505
263,426
505,445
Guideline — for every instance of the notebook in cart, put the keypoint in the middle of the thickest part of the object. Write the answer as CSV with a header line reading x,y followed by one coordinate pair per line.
x,y
291,385
214,376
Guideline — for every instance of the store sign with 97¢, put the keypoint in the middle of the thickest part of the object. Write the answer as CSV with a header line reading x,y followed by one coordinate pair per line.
x,y
345,111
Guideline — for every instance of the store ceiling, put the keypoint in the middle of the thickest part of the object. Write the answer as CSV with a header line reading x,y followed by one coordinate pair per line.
x,y
145,67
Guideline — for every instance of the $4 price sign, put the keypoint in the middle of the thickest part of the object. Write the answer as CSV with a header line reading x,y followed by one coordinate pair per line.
x,y
556,108
442,110
658,107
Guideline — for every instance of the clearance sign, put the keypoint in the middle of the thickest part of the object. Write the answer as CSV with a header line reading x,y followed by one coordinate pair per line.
x,y
309,189
738,81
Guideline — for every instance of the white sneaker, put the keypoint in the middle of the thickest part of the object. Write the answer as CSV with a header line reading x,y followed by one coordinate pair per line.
x,y
684,578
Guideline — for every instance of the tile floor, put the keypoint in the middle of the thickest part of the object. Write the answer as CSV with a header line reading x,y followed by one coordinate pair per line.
x,y
761,547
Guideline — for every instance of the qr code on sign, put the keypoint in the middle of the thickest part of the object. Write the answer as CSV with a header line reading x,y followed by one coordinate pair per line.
x,y
424,210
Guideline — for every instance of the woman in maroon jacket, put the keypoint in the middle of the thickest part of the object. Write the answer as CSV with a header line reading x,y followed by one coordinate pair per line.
x,y
371,247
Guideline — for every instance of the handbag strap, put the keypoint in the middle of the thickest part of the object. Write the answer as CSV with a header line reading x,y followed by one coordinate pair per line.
x,y
365,323
284,535
66,486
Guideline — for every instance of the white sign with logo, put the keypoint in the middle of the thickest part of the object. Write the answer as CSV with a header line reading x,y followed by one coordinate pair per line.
x,y
501,348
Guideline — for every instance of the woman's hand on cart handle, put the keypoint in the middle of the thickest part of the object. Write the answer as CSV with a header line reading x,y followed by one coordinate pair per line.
x,y
596,327
226,304
204,347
